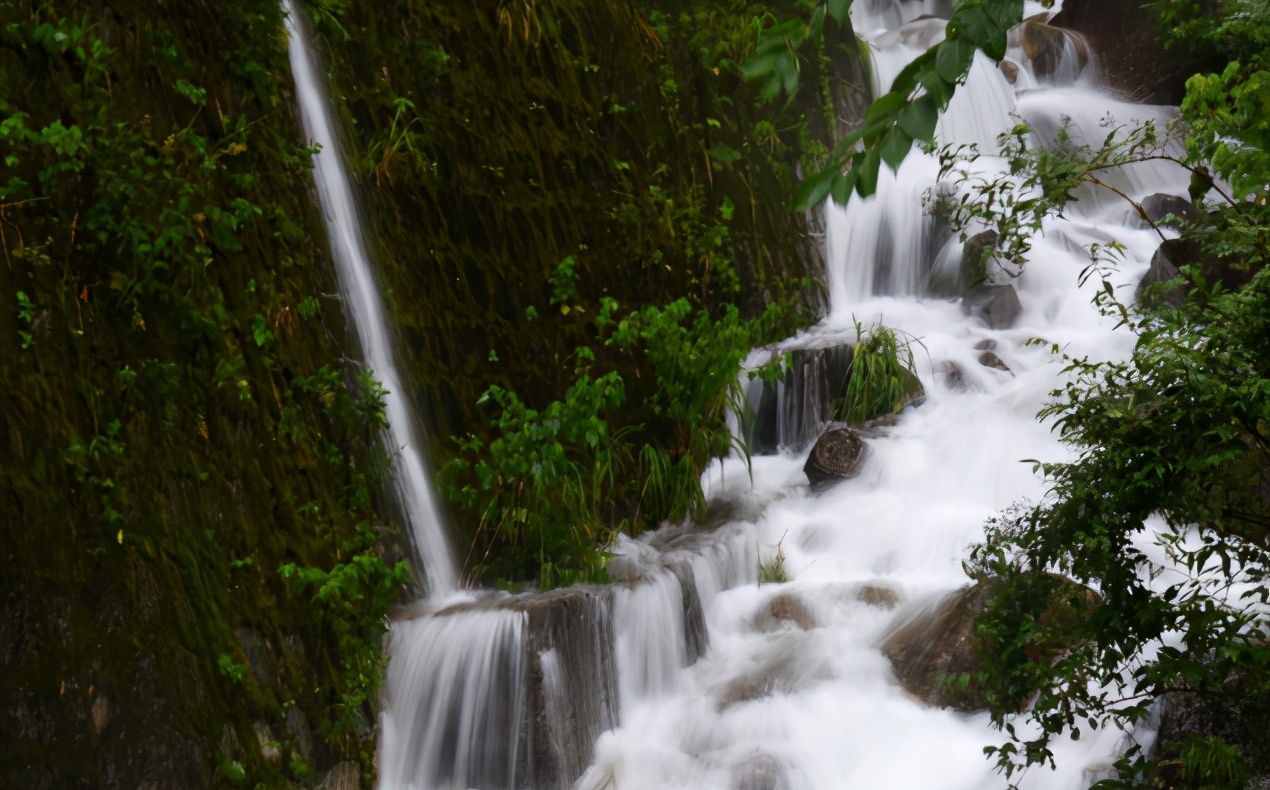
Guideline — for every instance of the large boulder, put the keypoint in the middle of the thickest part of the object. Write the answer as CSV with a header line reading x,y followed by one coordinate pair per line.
x,y
976,260
1153,289
838,455
1127,43
789,413
935,651
998,306
986,292
1052,51
1159,206
1167,264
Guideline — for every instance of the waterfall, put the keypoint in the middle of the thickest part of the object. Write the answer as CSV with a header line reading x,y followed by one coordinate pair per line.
x,y
686,673
366,310
794,689
465,727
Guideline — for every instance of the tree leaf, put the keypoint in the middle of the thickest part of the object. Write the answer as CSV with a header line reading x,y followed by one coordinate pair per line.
x,y
814,189
840,10
1005,13
867,177
885,105
919,119
843,186
895,147
953,60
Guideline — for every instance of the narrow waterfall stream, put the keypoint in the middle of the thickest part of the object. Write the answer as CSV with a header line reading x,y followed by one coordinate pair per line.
x,y
679,675
366,310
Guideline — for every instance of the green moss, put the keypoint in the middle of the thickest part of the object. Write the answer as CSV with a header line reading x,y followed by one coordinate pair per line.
x,y
497,142
174,428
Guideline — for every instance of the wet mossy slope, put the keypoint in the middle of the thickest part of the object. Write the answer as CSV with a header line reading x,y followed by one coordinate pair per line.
x,y
191,481
178,415
497,139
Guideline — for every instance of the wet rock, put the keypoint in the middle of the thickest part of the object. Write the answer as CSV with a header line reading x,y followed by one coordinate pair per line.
x,y
1239,715
344,776
99,715
837,456
954,377
790,413
573,699
1130,53
784,671
1159,206
1152,290
1167,263
940,643
696,637
259,657
976,260
300,734
998,306
784,610
876,595
759,772
269,747
987,344
1010,70
990,360
937,644
1052,50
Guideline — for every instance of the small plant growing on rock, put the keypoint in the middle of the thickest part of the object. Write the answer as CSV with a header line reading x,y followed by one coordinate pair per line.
x,y
882,380
773,571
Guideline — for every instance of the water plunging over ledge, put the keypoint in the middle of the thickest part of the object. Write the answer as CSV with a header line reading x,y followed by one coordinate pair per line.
x,y
687,673
366,310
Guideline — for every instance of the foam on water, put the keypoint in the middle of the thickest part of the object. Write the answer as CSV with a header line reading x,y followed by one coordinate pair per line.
x,y
783,707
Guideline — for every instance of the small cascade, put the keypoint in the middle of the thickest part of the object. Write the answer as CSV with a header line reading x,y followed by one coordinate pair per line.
x,y
366,311
652,644
790,412
465,676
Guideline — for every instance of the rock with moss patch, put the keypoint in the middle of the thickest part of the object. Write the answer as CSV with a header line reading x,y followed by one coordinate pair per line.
x,y
838,455
936,652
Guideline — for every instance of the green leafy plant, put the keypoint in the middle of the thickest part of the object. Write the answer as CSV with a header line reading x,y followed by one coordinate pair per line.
x,y
881,381
232,669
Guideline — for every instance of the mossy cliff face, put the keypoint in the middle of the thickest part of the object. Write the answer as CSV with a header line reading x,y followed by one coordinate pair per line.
x,y
495,140
191,479
177,418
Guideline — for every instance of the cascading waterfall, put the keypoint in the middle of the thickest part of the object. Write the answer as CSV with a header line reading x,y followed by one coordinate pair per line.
x,y
366,310
686,673
794,691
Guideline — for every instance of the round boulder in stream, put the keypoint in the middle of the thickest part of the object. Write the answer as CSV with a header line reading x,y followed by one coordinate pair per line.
x,y
937,649
837,456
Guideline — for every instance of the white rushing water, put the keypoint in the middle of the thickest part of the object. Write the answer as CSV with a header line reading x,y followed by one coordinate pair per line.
x,y
810,701
366,310
686,673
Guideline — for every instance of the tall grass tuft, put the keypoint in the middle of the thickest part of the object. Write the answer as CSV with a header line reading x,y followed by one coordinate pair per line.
x,y
882,378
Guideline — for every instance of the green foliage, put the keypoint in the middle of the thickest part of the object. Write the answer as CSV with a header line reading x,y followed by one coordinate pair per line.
x,y
553,486
906,114
882,380
159,256
351,600
235,671
772,570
